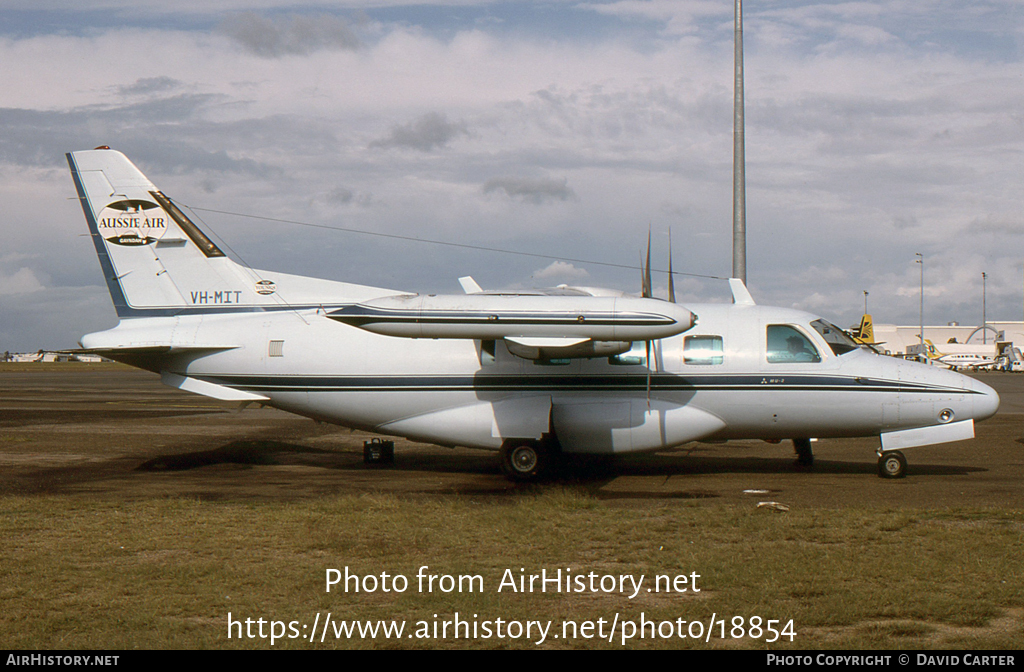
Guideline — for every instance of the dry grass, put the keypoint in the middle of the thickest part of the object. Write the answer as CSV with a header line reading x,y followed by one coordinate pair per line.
x,y
166,573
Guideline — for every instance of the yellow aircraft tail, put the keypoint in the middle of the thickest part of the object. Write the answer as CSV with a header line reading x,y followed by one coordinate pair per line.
x,y
865,333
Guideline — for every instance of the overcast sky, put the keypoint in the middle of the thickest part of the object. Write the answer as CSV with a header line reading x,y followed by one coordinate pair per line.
x,y
875,130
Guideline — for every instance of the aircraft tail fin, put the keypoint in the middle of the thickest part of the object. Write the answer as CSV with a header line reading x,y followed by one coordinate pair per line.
x,y
866,331
157,261
154,257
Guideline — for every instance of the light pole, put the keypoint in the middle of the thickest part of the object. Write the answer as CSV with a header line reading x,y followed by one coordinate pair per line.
x,y
984,306
865,302
739,198
920,260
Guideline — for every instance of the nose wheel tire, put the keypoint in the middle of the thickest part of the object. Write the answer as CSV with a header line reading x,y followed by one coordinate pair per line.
x,y
892,465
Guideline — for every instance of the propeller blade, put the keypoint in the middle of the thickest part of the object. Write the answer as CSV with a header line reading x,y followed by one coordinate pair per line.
x,y
671,277
648,375
647,293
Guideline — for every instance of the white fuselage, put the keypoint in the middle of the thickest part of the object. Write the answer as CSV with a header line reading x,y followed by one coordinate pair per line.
x,y
454,392
490,369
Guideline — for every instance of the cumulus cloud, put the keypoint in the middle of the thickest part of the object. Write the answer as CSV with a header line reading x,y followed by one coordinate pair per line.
x,y
560,270
855,139
996,224
431,131
532,190
22,281
294,35
678,16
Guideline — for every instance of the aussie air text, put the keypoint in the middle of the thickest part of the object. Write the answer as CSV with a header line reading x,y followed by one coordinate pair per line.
x,y
132,223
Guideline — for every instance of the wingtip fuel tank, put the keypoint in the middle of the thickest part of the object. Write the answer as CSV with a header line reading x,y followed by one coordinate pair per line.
x,y
475,316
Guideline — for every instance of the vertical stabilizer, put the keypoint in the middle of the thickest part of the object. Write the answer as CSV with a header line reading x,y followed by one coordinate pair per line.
x,y
154,257
866,331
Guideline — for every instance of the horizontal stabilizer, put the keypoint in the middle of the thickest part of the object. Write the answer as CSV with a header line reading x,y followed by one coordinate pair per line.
x,y
149,356
206,389
164,349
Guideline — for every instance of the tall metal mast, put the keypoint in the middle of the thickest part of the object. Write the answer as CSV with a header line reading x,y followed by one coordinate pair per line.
x,y
739,197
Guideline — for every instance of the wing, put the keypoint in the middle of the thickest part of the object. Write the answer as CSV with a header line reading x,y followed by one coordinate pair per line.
x,y
574,325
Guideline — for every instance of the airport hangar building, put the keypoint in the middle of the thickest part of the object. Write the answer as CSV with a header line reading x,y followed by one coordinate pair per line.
x,y
895,339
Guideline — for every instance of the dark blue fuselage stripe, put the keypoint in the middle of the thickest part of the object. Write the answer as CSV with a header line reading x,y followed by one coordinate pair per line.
x,y
581,383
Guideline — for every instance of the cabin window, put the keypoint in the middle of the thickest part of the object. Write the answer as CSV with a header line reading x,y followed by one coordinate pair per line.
x,y
787,345
836,338
702,350
635,356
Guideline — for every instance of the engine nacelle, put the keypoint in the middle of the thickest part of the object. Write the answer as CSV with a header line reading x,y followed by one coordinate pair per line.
x,y
564,348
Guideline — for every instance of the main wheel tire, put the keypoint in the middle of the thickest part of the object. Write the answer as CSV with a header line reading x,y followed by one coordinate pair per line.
x,y
892,465
525,461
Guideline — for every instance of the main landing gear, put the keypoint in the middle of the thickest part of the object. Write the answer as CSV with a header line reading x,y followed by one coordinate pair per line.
x,y
892,464
804,454
526,460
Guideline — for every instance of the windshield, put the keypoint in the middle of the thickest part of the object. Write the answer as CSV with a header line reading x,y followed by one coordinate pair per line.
x,y
835,337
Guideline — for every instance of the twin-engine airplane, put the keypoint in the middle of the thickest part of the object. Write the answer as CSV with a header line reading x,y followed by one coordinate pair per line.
x,y
530,374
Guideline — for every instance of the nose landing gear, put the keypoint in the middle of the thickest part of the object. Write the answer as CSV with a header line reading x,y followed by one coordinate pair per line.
x,y
892,464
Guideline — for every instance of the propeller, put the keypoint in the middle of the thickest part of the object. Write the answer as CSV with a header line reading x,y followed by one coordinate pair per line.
x,y
647,293
645,271
671,276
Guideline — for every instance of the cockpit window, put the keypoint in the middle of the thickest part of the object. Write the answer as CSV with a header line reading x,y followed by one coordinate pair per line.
x,y
836,338
787,345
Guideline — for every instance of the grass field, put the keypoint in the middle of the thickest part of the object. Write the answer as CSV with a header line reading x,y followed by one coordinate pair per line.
x,y
167,572
134,516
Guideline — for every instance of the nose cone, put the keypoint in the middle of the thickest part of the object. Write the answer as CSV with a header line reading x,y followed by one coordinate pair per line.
x,y
986,400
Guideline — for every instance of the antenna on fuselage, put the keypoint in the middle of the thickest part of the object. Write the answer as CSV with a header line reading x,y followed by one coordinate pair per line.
x,y
739,196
